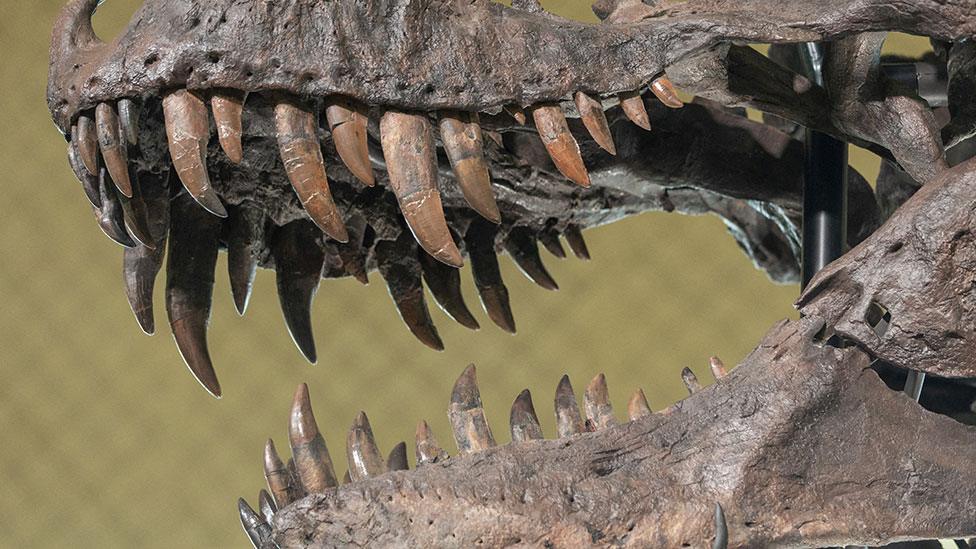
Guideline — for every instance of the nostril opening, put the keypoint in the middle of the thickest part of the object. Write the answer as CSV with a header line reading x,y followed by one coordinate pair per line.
x,y
878,318
213,57
151,60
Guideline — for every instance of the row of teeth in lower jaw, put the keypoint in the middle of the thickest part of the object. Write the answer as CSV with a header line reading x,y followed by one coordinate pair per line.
x,y
310,469
407,139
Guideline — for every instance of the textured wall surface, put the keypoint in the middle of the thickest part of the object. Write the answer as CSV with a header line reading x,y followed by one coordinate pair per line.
x,y
107,440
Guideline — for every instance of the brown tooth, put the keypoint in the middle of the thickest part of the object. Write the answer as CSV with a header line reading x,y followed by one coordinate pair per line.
x,y
188,132
428,450
471,430
298,269
444,282
398,265
411,160
257,530
633,106
480,242
568,420
718,367
89,182
690,380
266,505
278,476
522,419
461,135
111,219
596,402
517,113
113,146
521,245
312,460
87,138
194,238
135,212
637,407
228,110
550,240
595,120
397,460
348,121
559,141
129,121
301,153
664,90
574,237
298,491
364,458
141,264
351,253
245,242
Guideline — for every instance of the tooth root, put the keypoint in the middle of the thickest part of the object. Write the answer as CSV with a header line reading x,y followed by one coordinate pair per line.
x,y
568,420
521,245
665,92
559,141
690,380
517,113
351,253
633,106
523,421
550,240
444,282
721,529
113,146
193,243
398,264
461,135
410,153
228,110
89,182
301,154
428,450
397,460
471,430
298,266
312,460
279,478
129,121
255,527
245,241
348,122
595,120
266,505
188,132
596,402
480,242
87,139
574,237
141,264
718,367
298,491
365,460
135,213
111,218
637,406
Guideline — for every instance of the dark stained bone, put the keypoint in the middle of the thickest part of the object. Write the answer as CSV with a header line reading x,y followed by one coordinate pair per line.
x,y
188,131
110,216
522,420
347,121
595,120
550,240
397,460
141,264
313,464
461,136
86,136
89,182
596,404
559,141
568,419
574,237
444,283
228,107
113,146
480,241
245,242
299,259
278,477
257,530
637,406
521,245
428,449
398,265
471,430
633,106
362,454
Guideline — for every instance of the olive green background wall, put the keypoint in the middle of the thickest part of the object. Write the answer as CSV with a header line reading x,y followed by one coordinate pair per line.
x,y
107,440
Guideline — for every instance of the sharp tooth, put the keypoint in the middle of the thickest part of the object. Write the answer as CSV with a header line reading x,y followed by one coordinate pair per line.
x,y
87,139
517,113
521,245
522,419
633,106
298,267
193,243
461,135
721,529
568,420
129,121
188,131
397,460
228,110
637,407
398,264
113,146
595,120
278,477
559,141
596,402
266,505
471,430
301,153
256,529
550,239
245,241
362,453
444,282
428,450
89,182
111,219
312,461
664,90
718,367
141,264
408,146
690,380
574,237
136,213
480,241
351,253
348,122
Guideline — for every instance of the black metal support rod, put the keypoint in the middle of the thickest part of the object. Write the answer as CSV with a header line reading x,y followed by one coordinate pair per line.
x,y
824,202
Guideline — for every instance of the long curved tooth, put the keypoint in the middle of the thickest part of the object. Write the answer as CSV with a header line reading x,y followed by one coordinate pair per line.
x,y
298,143
278,476
129,121
665,92
111,218
411,160
113,146
633,106
398,265
257,530
245,241
135,212
559,141
348,122
364,458
188,131
228,110
444,282
427,448
397,460
194,238
298,270
574,237
480,242
595,120
522,420
141,264
312,460
521,245
637,406
461,135
596,403
266,505
89,182
568,420
690,380
550,240
351,253
718,367
87,138
721,529
471,430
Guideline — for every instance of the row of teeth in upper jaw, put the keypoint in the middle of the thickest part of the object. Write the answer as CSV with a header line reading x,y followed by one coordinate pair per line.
x,y
407,140
310,469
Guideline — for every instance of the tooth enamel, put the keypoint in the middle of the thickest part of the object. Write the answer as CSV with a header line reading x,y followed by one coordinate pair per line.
x,y
257,530
480,242
637,406
461,135
427,448
188,131
348,121
408,146
596,403
666,93
633,106
550,240
129,121
718,367
87,138
522,419
444,283
559,141
228,109
568,420
141,265
362,453
136,214
521,245
574,237
313,464
298,270
397,460
113,147
471,430
278,477
89,182
691,381
403,278
245,241
595,120
111,219
721,529
266,506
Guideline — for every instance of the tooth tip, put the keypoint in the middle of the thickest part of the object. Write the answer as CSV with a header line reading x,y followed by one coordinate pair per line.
x,y
465,392
302,421
191,340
